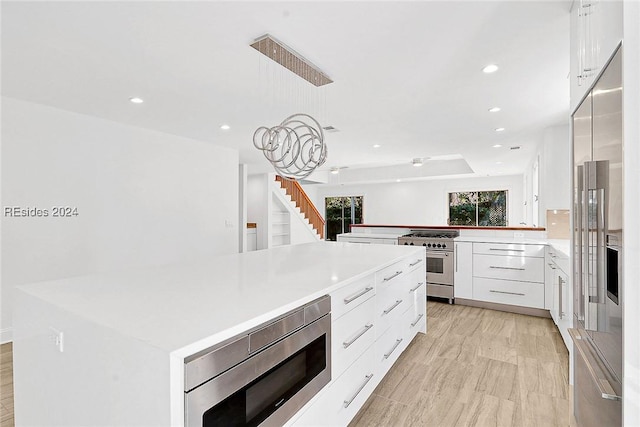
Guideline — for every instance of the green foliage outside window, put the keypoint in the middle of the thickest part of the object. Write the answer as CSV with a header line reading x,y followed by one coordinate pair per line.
x,y
478,208
340,213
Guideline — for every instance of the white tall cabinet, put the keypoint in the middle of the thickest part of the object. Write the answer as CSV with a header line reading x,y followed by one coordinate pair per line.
x,y
596,30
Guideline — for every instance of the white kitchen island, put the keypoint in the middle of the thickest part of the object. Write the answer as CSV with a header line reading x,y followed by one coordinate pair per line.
x,y
109,349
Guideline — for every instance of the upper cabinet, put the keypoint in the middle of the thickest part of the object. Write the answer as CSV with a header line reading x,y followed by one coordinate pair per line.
x,y
596,30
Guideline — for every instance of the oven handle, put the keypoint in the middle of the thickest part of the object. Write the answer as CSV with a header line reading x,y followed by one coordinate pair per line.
x,y
366,381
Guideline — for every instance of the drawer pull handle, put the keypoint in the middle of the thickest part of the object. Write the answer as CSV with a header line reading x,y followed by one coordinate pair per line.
x,y
551,266
398,341
397,273
505,292
357,295
366,381
417,287
506,268
506,250
364,330
415,263
397,303
414,323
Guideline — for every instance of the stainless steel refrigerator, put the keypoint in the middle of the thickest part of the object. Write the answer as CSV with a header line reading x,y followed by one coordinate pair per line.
x,y
598,242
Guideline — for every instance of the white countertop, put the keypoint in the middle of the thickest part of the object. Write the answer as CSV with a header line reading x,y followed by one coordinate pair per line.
x,y
184,309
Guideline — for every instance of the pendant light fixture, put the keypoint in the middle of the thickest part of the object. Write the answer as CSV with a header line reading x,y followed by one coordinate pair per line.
x,y
296,146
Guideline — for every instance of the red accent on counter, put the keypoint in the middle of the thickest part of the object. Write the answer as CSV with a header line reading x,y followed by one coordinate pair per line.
x,y
447,227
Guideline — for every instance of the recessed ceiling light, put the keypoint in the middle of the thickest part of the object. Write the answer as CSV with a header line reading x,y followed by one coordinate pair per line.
x,y
417,162
491,68
496,146
499,129
376,145
494,109
335,171
225,127
136,100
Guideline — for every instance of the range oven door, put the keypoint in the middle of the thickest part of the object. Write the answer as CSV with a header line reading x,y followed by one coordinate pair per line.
x,y
440,267
269,387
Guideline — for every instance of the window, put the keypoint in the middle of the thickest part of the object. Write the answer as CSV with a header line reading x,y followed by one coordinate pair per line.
x,y
340,212
478,208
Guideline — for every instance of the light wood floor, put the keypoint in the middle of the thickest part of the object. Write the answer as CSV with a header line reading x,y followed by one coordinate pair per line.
x,y
6,385
475,367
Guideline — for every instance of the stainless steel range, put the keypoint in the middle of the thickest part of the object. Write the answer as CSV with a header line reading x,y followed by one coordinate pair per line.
x,y
440,259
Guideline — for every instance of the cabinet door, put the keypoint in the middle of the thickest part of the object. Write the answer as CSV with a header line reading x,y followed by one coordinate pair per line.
x,y
463,270
608,29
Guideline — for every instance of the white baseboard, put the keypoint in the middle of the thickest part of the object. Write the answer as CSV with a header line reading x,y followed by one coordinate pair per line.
x,y
6,335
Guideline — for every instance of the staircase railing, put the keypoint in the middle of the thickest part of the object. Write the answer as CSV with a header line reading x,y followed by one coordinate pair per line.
x,y
301,199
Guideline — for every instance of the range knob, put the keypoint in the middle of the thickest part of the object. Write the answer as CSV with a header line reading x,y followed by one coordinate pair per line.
x,y
439,245
444,245
405,243
429,245
411,244
424,244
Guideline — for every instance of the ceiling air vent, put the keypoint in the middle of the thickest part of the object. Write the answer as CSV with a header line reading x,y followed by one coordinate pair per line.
x,y
330,129
515,147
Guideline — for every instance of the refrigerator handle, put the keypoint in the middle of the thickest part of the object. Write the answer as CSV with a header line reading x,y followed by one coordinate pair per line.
x,y
596,174
579,285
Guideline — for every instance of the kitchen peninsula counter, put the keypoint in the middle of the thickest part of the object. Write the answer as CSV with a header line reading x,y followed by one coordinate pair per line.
x,y
129,332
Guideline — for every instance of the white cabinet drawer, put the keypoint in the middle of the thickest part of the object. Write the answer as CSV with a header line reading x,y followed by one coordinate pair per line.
x,y
390,304
389,346
517,249
560,260
417,263
351,335
509,292
414,321
522,268
351,296
343,399
391,274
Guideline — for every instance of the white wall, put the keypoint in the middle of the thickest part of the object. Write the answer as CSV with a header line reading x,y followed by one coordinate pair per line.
x,y
144,198
418,202
631,291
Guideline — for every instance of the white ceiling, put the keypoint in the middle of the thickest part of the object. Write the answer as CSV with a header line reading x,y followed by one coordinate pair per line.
x,y
407,74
